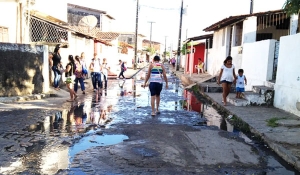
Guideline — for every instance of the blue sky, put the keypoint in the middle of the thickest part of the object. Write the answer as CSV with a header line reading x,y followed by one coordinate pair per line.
x,y
166,13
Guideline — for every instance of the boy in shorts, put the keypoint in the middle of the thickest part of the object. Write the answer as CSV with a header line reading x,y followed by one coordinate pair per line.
x,y
241,81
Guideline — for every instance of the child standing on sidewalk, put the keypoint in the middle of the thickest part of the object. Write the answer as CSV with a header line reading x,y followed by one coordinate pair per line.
x,y
241,81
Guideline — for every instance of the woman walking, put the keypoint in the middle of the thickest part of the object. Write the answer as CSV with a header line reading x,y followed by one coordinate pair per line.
x,y
79,75
56,67
83,63
123,69
69,73
227,77
156,75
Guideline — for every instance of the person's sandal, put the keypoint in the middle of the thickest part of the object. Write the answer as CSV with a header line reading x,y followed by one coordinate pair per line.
x,y
157,112
153,114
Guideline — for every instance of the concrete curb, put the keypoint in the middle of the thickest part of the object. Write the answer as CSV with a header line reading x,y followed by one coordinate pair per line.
x,y
23,98
280,150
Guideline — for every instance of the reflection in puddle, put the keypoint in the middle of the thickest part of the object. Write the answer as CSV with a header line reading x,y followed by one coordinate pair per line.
x,y
208,112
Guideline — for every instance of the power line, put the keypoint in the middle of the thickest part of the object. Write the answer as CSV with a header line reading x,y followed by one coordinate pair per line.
x,y
158,8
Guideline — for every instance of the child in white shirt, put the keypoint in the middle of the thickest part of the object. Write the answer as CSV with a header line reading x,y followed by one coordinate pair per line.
x,y
241,81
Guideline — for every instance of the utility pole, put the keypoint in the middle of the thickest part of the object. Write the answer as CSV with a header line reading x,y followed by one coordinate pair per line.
x,y
136,35
179,38
151,34
251,6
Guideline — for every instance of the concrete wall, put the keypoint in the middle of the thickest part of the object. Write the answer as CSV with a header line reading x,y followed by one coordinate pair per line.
x,y
287,85
258,59
249,30
22,68
9,20
217,54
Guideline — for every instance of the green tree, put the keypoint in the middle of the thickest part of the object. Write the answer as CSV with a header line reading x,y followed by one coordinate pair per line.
x,y
166,53
291,6
151,50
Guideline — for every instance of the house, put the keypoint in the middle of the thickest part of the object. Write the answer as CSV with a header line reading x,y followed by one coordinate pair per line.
x,y
24,26
264,45
128,39
151,44
76,13
196,48
95,25
41,26
232,33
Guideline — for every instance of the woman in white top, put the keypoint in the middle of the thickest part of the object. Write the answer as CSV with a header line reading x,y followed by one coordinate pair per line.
x,y
227,77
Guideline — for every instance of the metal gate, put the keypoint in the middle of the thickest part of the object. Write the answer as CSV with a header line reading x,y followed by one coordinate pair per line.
x,y
276,55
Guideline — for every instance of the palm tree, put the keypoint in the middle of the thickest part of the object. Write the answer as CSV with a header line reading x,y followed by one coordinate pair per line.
x,y
292,6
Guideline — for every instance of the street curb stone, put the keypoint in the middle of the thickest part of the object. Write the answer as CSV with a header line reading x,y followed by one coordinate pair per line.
x,y
23,98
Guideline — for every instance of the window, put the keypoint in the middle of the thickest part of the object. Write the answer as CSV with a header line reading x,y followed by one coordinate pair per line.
x,y
238,34
263,36
3,34
129,41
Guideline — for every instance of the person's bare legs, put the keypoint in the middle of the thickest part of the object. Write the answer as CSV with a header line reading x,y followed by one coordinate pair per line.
x,y
153,104
157,103
228,89
71,91
225,87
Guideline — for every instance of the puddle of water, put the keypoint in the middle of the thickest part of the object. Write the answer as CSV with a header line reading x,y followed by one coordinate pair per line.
x,y
95,140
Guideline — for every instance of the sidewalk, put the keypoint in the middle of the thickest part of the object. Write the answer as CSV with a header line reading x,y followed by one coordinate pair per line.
x,y
283,139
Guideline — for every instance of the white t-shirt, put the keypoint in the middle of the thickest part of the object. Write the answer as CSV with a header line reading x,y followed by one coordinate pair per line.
x,y
96,63
240,82
227,74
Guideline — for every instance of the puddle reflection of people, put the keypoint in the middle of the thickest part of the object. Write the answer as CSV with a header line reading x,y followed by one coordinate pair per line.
x,y
156,75
78,113
95,116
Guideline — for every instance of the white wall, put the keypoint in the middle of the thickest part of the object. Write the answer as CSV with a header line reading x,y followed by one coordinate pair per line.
x,y
287,85
236,57
217,54
249,30
258,59
55,8
8,13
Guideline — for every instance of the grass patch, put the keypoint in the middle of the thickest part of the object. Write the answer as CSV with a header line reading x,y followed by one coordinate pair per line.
x,y
272,121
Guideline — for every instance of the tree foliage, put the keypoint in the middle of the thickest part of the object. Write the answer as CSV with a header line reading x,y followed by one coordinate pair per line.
x,y
291,6
151,50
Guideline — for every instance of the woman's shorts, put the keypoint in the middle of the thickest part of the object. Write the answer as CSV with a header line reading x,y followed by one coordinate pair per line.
x,y
70,79
238,89
155,88
224,81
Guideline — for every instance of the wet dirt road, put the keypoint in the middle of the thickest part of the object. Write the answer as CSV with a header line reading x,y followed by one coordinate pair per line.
x,y
115,134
